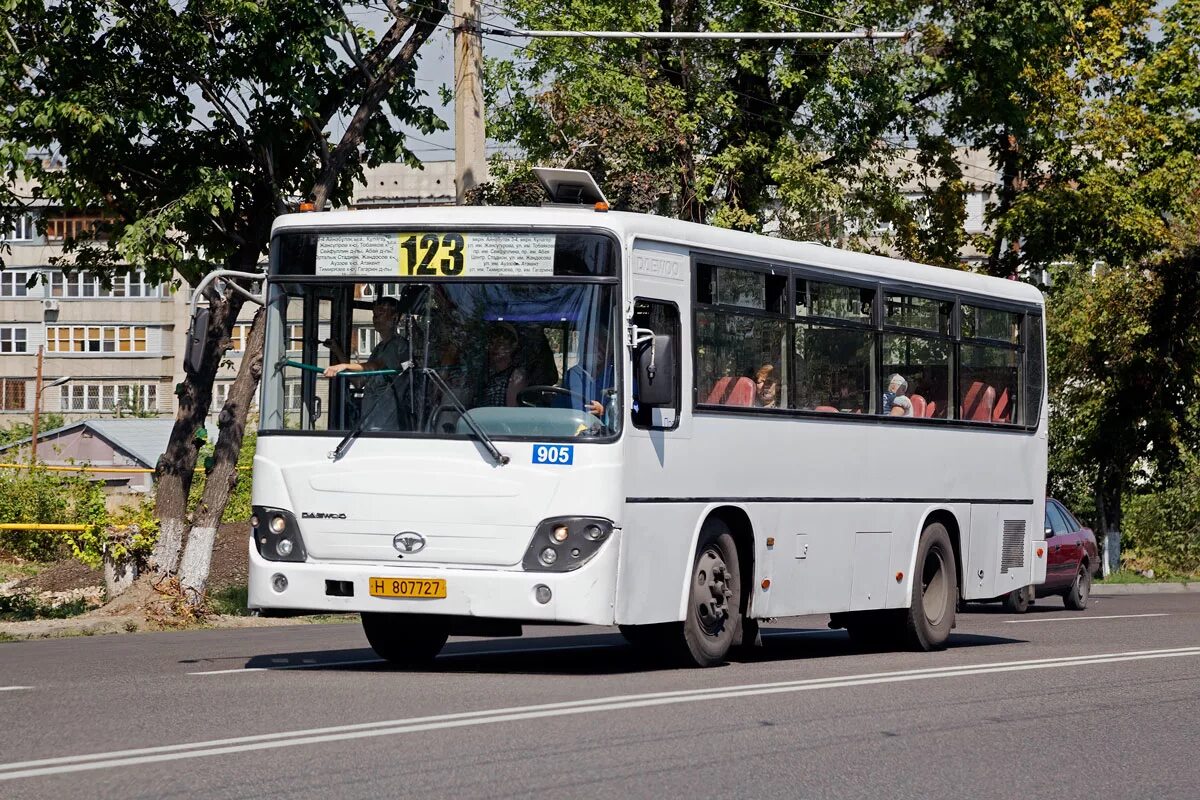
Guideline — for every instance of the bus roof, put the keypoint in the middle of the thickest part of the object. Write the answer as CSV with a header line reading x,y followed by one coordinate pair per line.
x,y
670,231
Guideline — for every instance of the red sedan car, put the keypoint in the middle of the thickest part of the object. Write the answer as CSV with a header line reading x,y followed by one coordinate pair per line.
x,y
1072,560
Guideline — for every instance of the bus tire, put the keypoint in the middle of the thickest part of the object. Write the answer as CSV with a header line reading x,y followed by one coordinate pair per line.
x,y
405,640
930,615
1017,601
714,613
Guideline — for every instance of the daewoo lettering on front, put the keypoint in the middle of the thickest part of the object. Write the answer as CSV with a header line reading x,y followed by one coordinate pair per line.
x,y
503,420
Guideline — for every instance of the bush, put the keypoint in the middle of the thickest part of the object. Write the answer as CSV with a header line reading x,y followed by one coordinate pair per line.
x,y
38,495
1163,528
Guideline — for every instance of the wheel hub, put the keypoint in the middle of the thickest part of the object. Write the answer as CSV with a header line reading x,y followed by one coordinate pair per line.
x,y
712,592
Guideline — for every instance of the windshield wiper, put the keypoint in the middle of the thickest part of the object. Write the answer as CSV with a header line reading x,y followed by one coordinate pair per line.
x,y
349,438
486,440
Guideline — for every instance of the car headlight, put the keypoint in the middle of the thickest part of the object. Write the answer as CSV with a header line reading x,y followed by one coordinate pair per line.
x,y
279,538
561,544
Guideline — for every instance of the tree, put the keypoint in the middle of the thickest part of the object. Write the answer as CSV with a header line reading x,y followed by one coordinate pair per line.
x,y
1118,197
741,134
190,126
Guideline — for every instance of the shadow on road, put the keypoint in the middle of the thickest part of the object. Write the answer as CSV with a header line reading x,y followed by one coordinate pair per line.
x,y
592,654
1045,605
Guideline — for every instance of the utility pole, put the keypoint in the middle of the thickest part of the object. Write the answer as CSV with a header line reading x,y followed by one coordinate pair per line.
x,y
469,136
37,407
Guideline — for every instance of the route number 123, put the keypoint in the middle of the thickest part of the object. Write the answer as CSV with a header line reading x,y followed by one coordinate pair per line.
x,y
432,255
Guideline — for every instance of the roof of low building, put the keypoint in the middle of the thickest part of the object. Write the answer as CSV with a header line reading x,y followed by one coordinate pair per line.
x,y
143,439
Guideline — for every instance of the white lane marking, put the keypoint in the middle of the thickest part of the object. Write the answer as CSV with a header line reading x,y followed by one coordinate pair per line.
x,y
317,665
1083,619
13,688
148,755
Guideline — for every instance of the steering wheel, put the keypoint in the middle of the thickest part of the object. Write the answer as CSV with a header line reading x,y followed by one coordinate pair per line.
x,y
530,395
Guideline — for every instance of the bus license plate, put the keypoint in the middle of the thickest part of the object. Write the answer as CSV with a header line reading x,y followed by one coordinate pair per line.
x,y
431,588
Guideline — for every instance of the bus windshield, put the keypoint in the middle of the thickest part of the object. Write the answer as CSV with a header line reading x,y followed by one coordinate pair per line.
x,y
528,359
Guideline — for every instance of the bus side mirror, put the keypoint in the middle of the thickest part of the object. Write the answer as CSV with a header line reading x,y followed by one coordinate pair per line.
x,y
655,372
197,341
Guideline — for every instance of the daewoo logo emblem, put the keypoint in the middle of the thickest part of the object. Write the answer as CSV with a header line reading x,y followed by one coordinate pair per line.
x,y
408,542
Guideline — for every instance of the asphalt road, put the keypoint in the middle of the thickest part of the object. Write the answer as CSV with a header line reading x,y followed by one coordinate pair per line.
x,y
1103,703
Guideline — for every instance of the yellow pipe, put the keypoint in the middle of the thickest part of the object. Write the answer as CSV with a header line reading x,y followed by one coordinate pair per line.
x,y
40,526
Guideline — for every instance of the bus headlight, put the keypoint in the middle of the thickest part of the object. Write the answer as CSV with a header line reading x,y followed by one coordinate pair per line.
x,y
561,544
279,539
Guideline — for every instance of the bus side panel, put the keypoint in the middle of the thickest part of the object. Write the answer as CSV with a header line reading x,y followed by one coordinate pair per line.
x,y
656,554
997,561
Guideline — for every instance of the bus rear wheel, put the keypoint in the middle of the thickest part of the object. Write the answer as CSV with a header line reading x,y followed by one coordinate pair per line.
x,y
714,611
405,640
930,615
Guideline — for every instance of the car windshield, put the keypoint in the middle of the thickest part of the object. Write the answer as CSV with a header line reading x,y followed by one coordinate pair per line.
x,y
529,359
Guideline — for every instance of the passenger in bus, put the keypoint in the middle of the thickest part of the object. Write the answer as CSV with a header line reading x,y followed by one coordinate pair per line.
x,y
766,387
504,379
382,394
895,403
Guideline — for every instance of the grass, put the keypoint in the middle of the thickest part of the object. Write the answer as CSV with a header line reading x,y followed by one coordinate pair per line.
x,y
230,601
1129,576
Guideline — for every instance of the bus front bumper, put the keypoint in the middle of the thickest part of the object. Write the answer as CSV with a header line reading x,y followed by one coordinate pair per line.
x,y
585,595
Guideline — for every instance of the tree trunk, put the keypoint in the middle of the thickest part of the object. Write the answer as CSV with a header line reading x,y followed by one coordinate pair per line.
x,y
1107,490
176,467
197,558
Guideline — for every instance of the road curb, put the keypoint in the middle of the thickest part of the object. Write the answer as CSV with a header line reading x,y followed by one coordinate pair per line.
x,y
102,626
1113,589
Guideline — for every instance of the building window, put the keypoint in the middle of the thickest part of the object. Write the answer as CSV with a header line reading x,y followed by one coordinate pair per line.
x,y
12,394
73,227
110,397
88,284
365,340
22,229
96,339
12,284
241,332
13,340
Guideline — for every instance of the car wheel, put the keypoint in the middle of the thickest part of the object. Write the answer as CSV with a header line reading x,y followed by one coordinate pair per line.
x,y
1017,601
930,616
405,640
1077,596
714,611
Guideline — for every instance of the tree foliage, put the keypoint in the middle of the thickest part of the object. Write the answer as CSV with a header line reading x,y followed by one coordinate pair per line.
x,y
189,126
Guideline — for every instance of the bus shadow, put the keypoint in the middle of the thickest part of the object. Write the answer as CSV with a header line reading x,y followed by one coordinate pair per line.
x,y
1045,605
592,654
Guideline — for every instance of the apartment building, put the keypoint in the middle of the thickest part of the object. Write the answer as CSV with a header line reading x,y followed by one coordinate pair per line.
x,y
122,347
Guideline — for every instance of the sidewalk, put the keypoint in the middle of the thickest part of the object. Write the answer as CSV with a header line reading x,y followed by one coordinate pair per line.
x,y
1112,589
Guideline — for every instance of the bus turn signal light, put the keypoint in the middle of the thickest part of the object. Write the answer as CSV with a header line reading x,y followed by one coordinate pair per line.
x,y
1039,552
601,205
899,577
766,584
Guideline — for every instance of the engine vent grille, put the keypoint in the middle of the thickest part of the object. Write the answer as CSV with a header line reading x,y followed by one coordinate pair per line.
x,y
1013,554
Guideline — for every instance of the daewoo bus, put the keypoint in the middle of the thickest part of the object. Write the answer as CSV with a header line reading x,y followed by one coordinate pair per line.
x,y
569,415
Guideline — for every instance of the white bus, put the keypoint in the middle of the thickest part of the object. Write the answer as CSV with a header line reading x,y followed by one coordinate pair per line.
x,y
569,415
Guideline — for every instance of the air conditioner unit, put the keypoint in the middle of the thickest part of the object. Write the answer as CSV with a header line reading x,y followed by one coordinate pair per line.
x,y
50,304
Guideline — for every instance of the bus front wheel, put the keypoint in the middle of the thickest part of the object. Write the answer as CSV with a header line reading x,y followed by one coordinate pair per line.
x,y
405,640
715,597
930,615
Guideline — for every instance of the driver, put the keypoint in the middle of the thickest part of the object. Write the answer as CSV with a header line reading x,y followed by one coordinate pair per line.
x,y
389,354
592,379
